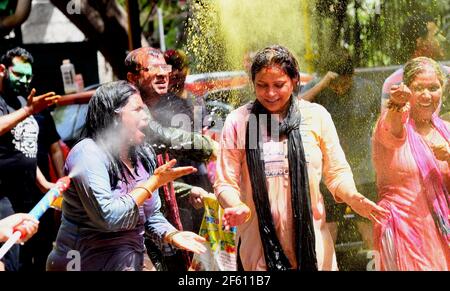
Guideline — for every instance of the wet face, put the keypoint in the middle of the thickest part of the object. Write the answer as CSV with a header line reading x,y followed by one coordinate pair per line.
x,y
273,88
134,120
153,79
426,94
18,77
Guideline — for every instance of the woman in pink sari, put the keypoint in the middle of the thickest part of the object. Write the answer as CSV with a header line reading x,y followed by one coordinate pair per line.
x,y
411,157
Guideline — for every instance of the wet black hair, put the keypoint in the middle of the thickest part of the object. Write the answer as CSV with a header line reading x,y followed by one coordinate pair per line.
x,y
102,117
107,99
275,55
8,57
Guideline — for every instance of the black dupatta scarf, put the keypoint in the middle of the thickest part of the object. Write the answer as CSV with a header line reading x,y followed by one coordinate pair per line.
x,y
276,259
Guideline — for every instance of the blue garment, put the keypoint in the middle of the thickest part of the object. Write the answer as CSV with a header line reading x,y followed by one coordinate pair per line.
x,y
101,221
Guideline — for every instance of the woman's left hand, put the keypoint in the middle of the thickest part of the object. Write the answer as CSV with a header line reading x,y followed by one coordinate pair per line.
x,y
189,241
368,209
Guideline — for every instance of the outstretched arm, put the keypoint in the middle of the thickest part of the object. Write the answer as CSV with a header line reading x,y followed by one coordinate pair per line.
x,y
397,104
34,105
311,94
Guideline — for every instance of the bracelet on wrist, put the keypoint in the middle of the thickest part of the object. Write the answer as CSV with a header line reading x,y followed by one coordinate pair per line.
x,y
249,213
144,188
396,107
169,237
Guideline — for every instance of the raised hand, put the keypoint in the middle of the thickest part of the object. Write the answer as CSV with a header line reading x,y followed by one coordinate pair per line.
x,y
329,77
400,94
36,104
167,173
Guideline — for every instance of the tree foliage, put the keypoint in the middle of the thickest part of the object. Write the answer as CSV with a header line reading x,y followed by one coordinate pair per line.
x,y
371,29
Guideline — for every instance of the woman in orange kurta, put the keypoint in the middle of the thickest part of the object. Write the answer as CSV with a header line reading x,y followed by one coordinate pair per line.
x,y
411,158
268,184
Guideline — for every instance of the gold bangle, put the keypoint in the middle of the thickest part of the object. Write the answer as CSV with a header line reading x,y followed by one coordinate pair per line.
x,y
249,213
148,191
392,106
170,236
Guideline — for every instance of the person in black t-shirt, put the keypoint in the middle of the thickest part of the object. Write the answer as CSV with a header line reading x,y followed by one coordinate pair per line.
x,y
18,139
33,255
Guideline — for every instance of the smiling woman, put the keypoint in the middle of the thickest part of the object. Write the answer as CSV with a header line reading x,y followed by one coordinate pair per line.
x,y
414,142
268,181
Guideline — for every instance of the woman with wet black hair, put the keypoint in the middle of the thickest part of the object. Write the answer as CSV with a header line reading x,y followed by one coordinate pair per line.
x,y
272,157
113,198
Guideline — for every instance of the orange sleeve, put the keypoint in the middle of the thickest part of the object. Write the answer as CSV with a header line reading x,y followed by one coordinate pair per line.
x,y
230,159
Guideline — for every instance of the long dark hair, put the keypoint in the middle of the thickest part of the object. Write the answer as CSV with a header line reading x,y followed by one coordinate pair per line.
x,y
303,226
103,123
276,55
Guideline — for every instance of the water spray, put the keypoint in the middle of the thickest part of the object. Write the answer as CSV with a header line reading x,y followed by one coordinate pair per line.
x,y
61,185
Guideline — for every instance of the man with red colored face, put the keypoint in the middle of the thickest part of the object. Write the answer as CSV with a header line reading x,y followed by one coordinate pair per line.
x,y
148,71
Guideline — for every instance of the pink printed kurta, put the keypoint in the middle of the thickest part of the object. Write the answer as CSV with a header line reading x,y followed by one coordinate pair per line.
x,y
409,239
323,154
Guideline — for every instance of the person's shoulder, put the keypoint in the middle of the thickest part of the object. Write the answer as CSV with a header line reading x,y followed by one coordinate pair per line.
x,y
313,111
241,112
311,107
237,118
86,148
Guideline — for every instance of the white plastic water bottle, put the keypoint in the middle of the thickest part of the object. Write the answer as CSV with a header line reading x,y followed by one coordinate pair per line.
x,y
68,76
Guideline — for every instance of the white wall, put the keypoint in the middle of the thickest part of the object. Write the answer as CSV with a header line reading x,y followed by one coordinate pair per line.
x,y
47,24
